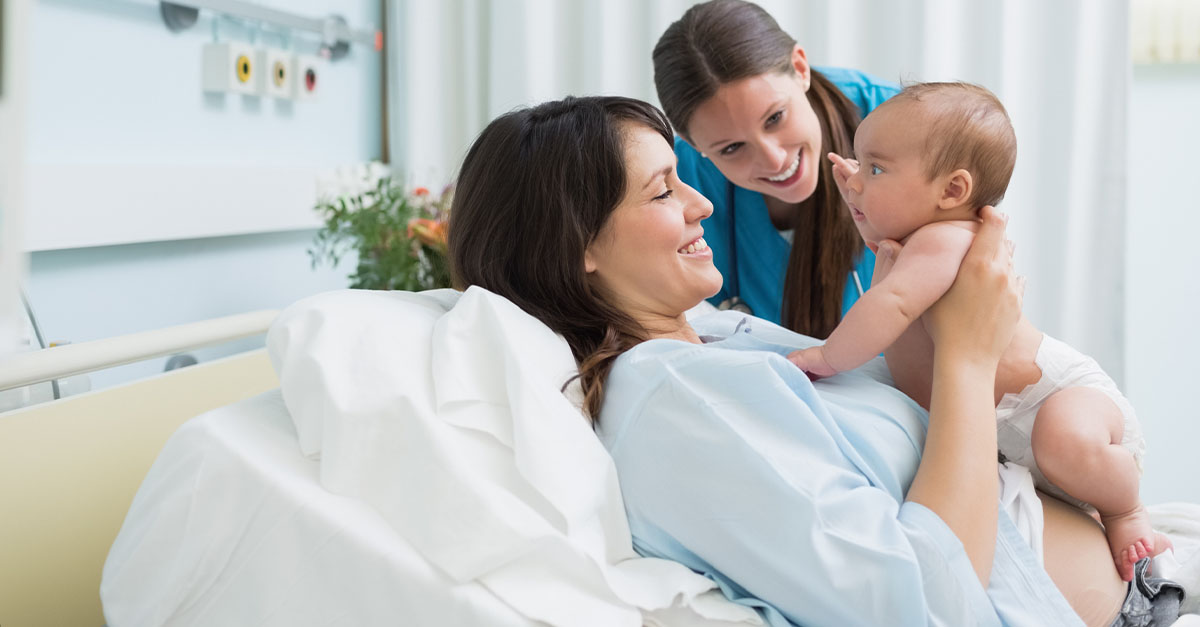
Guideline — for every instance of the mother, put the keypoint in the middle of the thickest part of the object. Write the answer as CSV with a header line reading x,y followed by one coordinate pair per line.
x,y
835,503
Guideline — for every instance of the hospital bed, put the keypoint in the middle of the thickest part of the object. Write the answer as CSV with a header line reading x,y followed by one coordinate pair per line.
x,y
69,468
397,475
236,522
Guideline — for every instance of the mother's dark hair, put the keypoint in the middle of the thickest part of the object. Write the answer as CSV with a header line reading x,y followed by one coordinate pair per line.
x,y
533,192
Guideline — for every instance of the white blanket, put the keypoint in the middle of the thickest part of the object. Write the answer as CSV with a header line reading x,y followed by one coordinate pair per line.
x,y
231,528
1181,523
451,423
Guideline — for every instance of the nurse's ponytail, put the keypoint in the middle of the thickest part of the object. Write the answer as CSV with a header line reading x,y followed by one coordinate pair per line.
x,y
825,242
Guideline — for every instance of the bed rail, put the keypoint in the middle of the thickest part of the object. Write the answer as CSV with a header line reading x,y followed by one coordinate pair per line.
x,y
63,361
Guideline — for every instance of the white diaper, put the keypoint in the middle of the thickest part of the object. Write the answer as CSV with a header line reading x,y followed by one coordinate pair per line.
x,y
1062,367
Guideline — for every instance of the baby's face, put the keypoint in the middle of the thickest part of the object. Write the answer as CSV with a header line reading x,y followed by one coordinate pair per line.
x,y
890,195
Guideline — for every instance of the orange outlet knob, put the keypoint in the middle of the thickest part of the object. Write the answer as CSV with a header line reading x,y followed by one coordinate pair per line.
x,y
310,79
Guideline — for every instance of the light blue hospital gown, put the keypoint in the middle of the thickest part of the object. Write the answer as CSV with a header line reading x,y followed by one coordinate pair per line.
x,y
790,495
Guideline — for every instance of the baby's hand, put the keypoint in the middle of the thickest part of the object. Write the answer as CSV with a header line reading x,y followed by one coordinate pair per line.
x,y
812,361
843,169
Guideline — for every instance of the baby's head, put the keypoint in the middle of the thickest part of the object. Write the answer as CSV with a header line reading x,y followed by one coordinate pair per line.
x,y
933,152
966,127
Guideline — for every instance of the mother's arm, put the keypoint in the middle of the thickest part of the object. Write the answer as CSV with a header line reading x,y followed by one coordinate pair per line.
x,y
971,326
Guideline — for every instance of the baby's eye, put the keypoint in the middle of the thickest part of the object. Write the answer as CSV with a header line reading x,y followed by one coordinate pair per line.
x,y
876,169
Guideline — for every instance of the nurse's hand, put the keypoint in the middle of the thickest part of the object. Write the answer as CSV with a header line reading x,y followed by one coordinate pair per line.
x,y
976,319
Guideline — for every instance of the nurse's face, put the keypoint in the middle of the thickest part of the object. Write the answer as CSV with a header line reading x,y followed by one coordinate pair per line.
x,y
762,133
649,258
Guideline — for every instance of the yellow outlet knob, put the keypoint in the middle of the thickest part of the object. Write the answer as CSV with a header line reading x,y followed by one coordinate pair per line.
x,y
280,73
243,68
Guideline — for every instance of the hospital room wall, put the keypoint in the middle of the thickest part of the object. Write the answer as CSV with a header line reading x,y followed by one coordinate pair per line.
x,y
148,109
1162,293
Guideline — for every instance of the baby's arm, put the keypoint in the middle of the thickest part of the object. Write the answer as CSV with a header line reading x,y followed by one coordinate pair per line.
x,y
924,270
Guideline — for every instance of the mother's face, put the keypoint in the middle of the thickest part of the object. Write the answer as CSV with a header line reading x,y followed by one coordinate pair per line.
x,y
649,258
762,133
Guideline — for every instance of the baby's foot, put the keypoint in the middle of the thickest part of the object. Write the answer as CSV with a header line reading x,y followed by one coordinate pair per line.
x,y
1131,538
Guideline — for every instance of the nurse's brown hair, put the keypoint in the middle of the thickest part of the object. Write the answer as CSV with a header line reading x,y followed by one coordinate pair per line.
x,y
722,41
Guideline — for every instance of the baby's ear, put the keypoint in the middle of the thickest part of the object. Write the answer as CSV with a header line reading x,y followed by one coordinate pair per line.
x,y
957,189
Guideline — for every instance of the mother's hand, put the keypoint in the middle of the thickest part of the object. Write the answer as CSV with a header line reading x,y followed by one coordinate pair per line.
x,y
976,318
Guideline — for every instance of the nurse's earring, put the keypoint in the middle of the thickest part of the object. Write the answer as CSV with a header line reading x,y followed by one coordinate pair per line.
x,y
705,155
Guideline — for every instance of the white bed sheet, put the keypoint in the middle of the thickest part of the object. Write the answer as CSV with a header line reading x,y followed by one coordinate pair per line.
x,y
232,527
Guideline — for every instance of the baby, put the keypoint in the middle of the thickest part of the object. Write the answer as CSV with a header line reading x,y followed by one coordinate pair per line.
x,y
927,160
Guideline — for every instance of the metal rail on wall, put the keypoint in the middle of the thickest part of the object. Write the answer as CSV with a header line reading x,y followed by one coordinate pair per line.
x,y
336,35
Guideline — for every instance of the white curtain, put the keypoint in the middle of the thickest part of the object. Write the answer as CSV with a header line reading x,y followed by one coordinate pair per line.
x,y
456,64
1062,68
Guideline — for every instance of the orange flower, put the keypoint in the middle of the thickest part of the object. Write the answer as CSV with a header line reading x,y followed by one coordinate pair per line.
x,y
429,232
421,191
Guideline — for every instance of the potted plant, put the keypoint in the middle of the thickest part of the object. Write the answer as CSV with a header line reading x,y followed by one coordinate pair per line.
x,y
398,232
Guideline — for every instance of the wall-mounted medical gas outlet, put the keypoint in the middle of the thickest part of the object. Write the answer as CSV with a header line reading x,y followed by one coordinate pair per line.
x,y
335,35
275,75
232,67
307,71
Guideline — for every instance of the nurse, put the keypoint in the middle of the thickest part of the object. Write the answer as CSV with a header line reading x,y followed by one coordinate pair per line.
x,y
757,122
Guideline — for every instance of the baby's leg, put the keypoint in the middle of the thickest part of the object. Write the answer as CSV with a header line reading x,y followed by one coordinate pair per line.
x,y
1077,445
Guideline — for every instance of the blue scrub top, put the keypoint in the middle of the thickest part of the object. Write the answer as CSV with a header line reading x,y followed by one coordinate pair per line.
x,y
790,494
761,251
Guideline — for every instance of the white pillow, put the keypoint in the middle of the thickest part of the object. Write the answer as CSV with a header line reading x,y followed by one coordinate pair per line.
x,y
444,412
344,353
